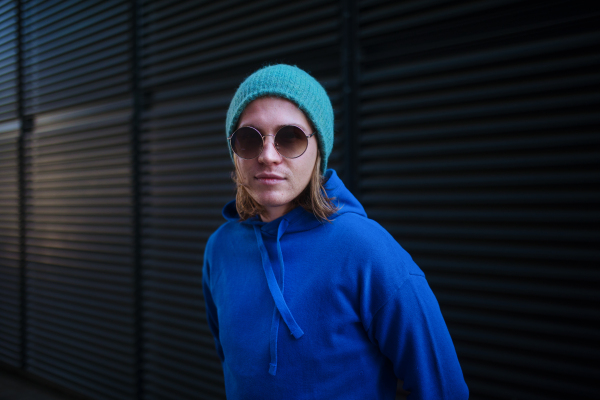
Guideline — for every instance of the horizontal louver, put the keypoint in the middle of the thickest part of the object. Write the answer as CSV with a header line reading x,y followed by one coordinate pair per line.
x,y
479,152
194,57
10,281
8,61
79,245
79,251
75,52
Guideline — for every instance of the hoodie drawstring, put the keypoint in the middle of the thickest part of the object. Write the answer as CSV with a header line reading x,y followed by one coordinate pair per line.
x,y
281,309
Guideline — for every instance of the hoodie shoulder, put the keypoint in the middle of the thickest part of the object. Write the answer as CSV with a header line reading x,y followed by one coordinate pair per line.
x,y
374,242
365,235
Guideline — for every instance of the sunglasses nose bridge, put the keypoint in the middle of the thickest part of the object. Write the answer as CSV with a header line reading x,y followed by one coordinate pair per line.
x,y
265,142
264,153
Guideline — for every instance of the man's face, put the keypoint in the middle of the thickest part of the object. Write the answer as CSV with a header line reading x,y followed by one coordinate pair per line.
x,y
272,180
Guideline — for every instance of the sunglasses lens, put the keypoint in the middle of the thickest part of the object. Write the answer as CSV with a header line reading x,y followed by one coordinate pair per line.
x,y
246,143
291,142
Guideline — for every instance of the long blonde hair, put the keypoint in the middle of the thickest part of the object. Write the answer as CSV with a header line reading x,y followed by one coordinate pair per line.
x,y
313,198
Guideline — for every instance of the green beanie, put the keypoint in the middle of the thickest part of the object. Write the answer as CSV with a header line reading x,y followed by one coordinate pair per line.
x,y
293,84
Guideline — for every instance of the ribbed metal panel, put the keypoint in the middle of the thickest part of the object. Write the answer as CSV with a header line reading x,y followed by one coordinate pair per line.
x,y
479,152
10,282
75,51
8,60
79,245
194,57
79,250
185,170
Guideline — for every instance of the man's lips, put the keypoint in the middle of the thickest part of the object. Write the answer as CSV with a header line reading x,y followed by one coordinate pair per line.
x,y
269,179
268,176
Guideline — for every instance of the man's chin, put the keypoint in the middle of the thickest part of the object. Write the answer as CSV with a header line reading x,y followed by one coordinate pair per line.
x,y
272,201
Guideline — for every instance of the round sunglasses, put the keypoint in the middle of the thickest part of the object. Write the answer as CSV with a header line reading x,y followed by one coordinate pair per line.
x,y
290,141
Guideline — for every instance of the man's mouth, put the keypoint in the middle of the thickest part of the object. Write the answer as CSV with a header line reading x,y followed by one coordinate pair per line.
x,y
269,178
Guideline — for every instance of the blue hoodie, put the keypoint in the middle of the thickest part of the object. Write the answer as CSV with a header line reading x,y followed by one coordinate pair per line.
x,y
301,309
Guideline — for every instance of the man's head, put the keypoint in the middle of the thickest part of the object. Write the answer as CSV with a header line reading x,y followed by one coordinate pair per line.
x,y
280,123
293,84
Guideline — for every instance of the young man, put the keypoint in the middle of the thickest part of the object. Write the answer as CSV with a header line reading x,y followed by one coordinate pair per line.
x,y
306,297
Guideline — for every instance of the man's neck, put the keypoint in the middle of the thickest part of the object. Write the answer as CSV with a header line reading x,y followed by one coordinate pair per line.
x,y
272,213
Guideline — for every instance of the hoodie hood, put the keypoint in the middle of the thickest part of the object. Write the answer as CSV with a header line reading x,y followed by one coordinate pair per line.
x,y
297,220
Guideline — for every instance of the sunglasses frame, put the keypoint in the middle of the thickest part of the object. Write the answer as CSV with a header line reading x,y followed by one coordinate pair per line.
x,y
263,141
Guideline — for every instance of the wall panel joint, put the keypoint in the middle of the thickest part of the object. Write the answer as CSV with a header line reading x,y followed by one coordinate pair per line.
x,y
350,74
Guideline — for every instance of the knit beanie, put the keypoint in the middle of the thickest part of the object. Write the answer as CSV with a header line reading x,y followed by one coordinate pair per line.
x,y
293,84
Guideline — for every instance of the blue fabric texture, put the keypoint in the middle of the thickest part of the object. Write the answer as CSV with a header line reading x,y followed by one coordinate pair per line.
x,y
357,312
293,84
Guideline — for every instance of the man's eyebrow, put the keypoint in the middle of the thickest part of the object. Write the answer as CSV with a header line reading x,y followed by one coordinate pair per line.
x,y
307,130
278,127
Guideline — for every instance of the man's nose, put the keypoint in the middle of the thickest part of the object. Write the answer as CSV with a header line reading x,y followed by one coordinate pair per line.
x,y
269,154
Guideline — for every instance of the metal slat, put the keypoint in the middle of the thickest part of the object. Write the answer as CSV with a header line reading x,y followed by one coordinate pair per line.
x,y
103,374
64,22
177,382
516,270
550,153
76,76
44,71
10,276
408,15
218,20
79,250
528,343
67,328
517,52
76,54
218,33
235,32
479,153
54,273
284,48
8,63
102,299
62,19
117,368
66,309
10,302
70,376
98,92
519,323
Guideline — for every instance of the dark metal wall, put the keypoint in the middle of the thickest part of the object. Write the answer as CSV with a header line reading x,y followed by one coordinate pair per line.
x,y
479,132
469,129
10,267
79,280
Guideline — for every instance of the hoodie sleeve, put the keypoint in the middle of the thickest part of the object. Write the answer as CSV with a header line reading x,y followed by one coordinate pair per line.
x,y
410,330
211,310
